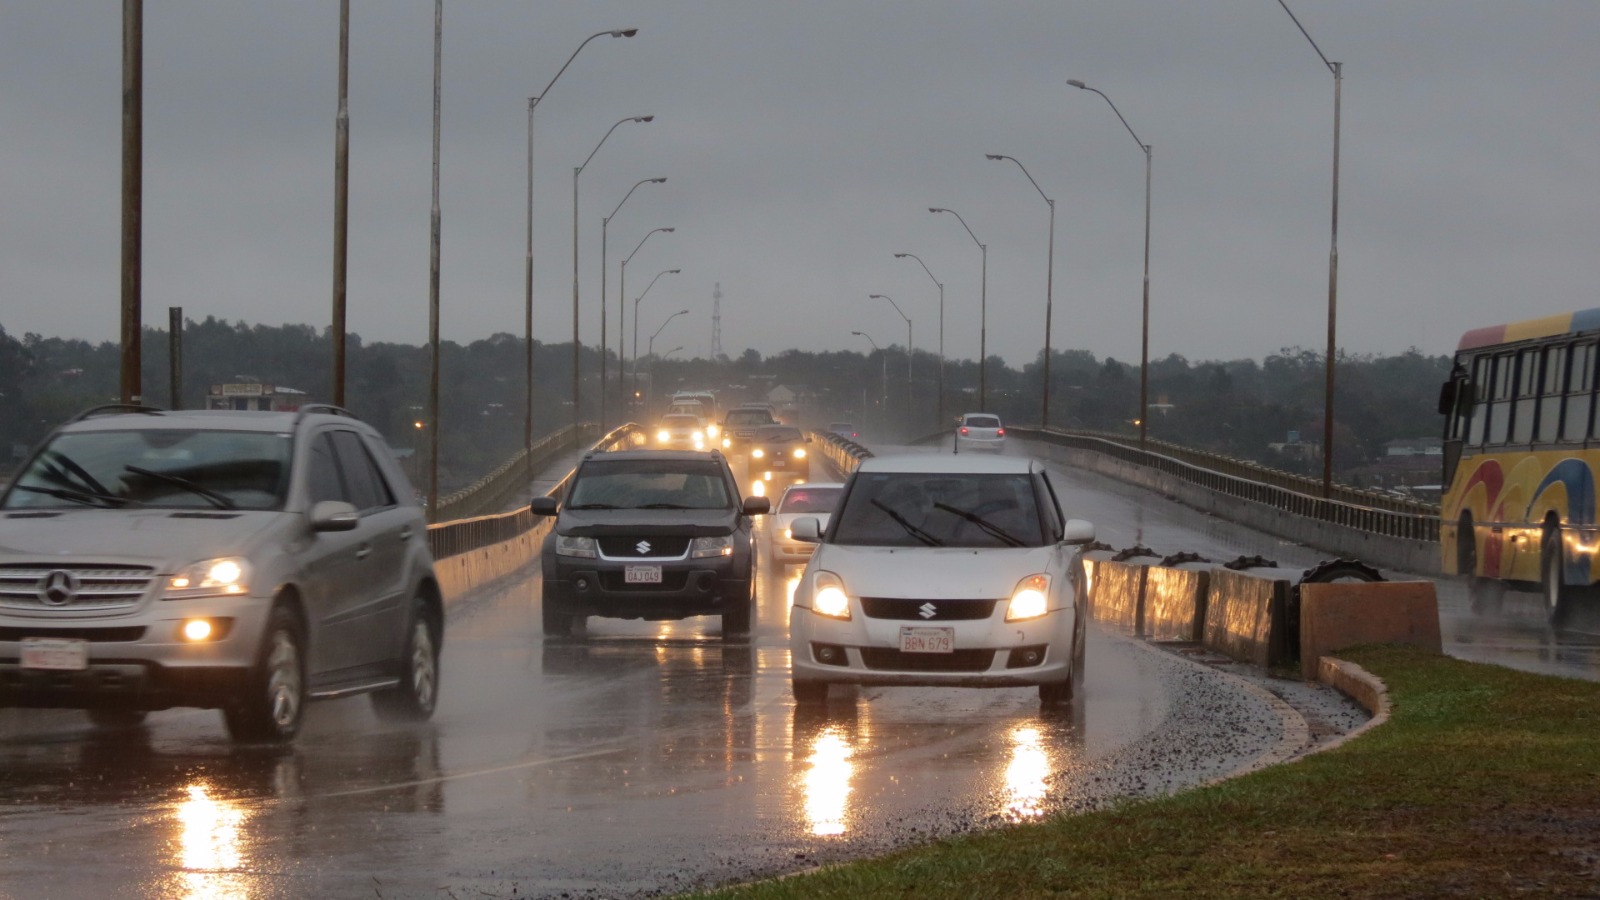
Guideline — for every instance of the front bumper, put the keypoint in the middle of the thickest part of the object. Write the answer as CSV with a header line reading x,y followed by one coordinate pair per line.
x,y
690,588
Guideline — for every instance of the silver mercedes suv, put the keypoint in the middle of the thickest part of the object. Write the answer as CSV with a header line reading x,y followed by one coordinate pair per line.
x,y
241,561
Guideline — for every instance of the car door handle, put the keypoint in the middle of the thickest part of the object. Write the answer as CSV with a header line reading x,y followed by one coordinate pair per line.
x,y
405,533
364,551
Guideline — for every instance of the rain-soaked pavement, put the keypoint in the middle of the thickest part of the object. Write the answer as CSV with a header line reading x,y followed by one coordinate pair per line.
x,y
638,759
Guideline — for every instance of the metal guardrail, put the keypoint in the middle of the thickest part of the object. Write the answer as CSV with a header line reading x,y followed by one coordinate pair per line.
x,y
1366,511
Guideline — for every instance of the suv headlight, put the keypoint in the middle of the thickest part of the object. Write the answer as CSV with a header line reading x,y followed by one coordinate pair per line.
x,y
828,597
703,547
757,453
569,545
1030,599
799,453
228,576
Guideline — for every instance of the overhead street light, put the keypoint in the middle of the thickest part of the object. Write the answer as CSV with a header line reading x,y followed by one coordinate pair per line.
x,y
634,386
939,413
604,223
884,358
908,347
527,273
576,347
1049,280
1144,339
650,346
983,311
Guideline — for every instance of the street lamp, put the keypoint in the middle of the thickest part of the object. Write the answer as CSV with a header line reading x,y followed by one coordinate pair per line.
x,y
908,346
576,347
603,242
940,405
622,296
983,311
527,272
1049,280
884,402
635,383
670,352
650,346
1333,263
1144,338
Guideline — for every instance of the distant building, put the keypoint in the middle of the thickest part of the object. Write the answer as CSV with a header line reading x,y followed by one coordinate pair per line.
x,y
251,395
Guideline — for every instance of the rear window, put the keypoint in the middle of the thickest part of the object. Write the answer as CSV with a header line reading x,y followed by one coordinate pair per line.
x,y
809,500
983,422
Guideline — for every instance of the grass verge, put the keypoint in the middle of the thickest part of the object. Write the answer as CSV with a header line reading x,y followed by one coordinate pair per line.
x,y
1485,782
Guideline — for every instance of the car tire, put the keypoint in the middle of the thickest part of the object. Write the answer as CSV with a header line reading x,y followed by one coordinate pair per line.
x,y
116,719
737,619
557,620
1056,693
273,705
810,692
414,699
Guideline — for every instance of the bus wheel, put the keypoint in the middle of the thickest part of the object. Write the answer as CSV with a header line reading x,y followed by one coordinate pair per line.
x,y
1557,594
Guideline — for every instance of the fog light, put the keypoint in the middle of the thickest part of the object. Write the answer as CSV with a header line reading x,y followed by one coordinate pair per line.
x,y
196,630
827,654
581,584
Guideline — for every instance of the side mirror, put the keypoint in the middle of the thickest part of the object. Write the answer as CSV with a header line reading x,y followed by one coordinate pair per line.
x,y
806,530
757,506
543,506
1078,532
334,515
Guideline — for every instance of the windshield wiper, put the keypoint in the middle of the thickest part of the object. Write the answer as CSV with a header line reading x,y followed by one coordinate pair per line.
x,y
666,506
103,501
71,466
592,506
218,500
911,529
989,528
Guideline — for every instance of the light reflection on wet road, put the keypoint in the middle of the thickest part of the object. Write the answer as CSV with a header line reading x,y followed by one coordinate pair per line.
x,y
635,758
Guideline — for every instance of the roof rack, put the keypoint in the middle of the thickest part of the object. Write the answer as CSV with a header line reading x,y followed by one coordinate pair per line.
x,y
111,409
325,408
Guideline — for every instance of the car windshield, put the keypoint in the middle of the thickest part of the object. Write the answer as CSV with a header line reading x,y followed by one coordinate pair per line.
x,y
905,509
157,467
812,500
649,484
983,422
749,417
779,435
680,421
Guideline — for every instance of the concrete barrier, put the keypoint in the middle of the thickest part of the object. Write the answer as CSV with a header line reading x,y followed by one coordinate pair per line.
x,y
1175,601
465,572
1341,614
1117,583
1245,615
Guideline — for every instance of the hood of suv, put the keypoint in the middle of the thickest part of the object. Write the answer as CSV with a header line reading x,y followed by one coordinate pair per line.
x,y
691,522
159,538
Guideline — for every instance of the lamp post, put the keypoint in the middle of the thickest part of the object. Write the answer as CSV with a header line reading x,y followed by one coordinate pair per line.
x,y
670,352
983,311
1333,263
908,347
635,384
885,361
650,346
940,404
1049,281
622,296
1144,334
576,347
603,242
527,271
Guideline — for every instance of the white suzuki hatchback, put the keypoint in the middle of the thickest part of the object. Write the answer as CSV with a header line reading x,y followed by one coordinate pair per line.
x,y
943,569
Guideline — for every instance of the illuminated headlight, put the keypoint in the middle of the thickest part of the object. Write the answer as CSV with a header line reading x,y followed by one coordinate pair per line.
x,y
727,442
799,453
758,453
699,441
712,431
569,545
703,547
1030,600
663,436
828,597
225,577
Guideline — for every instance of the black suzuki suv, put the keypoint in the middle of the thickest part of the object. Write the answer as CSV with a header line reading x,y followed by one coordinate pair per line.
x,y
650,534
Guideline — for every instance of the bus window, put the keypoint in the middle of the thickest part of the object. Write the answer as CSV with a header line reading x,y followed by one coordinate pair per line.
x,y
1500,407
1527,396
1480,402
1580,393
1550,399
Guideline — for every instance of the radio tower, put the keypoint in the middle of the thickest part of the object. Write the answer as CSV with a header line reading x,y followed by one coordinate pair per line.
x,y
716,321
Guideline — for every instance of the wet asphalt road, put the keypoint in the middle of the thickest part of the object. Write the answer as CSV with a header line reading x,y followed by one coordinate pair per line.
x,y
636,760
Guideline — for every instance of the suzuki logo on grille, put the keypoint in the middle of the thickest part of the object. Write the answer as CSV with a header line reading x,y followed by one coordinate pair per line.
x,y
58,588
643,547
928,610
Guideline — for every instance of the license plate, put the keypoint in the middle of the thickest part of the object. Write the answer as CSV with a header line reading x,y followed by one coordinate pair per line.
x,y
927,640
642,574
55,653
778,464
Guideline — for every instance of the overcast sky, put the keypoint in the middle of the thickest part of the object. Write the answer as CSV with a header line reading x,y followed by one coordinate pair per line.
x,y
803,143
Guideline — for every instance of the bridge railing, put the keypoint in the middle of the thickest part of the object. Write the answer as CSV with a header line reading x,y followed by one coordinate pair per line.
x,y
1367,511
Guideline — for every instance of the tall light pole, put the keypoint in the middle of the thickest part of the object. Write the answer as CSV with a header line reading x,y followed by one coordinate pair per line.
x,y
908,347
1333,263
604,223
527,271
341,205
1144,334
634,385
433,272
1049,280
650,346
576,347
983,311
622,296
884,358
939,422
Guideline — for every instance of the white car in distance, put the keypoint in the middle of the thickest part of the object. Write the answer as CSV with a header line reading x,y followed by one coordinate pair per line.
x,y
814,499
942,569
980,431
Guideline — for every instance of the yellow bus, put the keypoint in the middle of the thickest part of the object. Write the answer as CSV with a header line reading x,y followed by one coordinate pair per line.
x,y
1521,447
